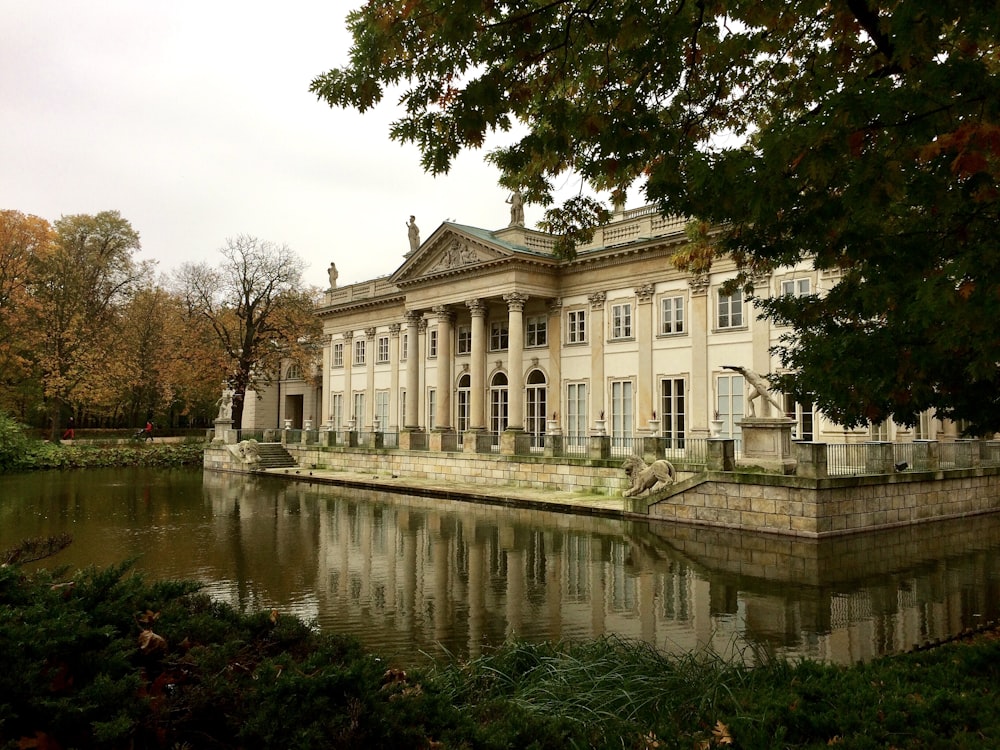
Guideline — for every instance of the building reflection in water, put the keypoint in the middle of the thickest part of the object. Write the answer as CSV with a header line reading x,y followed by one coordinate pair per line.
x,y
410,574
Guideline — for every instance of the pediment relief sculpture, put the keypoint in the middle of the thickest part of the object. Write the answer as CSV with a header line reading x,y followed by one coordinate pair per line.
x,y
458,253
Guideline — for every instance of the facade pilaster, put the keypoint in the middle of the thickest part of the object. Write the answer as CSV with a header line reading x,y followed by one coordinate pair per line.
x,y
760,328
395,418
370,378
442,419
348,384
477,393
699,389
515,359
644,339
554,330
597,333
411,416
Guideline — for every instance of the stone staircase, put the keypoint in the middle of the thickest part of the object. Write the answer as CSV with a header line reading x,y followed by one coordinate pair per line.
x,y
274,456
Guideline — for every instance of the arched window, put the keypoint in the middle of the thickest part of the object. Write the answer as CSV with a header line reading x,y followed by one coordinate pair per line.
x,y
464,403
536,406
498,403
294,372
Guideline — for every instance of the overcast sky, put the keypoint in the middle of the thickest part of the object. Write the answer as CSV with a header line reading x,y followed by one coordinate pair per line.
x,y
195,121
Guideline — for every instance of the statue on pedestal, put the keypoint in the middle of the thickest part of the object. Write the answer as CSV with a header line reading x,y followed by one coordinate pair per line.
x,y
413,232
761,388
333,275
516,202
225,404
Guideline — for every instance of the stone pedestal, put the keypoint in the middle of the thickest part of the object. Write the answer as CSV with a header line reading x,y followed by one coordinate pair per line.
x,y
599,446
443,440
653,448
925,455
554,444
509,442
477,441
767,442
224,432
812,460
413,440
721,454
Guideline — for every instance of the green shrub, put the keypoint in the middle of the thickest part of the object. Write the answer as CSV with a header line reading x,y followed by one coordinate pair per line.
x,y
13,443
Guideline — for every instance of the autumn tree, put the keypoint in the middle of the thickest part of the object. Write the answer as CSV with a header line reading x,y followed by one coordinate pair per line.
x,y
78,289
23,239
257,310
863,136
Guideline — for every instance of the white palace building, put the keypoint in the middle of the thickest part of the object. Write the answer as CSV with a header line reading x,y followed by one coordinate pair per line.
x,y
484,333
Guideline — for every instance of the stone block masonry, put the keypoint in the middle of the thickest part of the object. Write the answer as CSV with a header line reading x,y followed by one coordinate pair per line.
x,y
602,477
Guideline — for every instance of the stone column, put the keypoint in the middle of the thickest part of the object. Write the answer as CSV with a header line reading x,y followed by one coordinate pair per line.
x,y
699,397
370,379
597,385
442,418
348,366
324,415
515,359
477,392
411,420
395,418
644,339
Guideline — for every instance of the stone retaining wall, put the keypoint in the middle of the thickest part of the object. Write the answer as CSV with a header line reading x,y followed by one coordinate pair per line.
x,y
827,507
568,475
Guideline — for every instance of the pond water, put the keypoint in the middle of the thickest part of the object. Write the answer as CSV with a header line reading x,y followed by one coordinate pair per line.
x,y
413,576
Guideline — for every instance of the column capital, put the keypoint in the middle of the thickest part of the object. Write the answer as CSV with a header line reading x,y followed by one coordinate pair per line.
x,y
555,306
348,336
698,284
370,333
444,313
597,300
422,324
413,317
477,308
515,300
644,292
394,329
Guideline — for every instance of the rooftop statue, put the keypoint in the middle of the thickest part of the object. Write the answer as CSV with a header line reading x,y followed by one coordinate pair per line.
x,y
413,232
516,202
760,385
332,273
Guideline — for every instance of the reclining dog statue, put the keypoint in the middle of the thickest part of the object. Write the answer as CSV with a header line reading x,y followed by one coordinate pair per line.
x,y
647,477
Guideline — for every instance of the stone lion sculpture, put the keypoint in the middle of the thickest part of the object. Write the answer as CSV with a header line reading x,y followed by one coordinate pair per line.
x,y
247,451
647,477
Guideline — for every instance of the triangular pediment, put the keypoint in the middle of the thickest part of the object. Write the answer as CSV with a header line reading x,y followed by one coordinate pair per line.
x,y
447,251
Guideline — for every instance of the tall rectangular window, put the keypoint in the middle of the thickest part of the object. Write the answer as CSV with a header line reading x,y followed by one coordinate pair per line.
x,y
359,351
729,391
359,408
463,342
622,421
382,409
404,418
673,415
431,409
404,345
671,315
337,410
802,414
498,336
621,320
535,331
730,309
576,326
432,343
338,354
382,350
576,414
